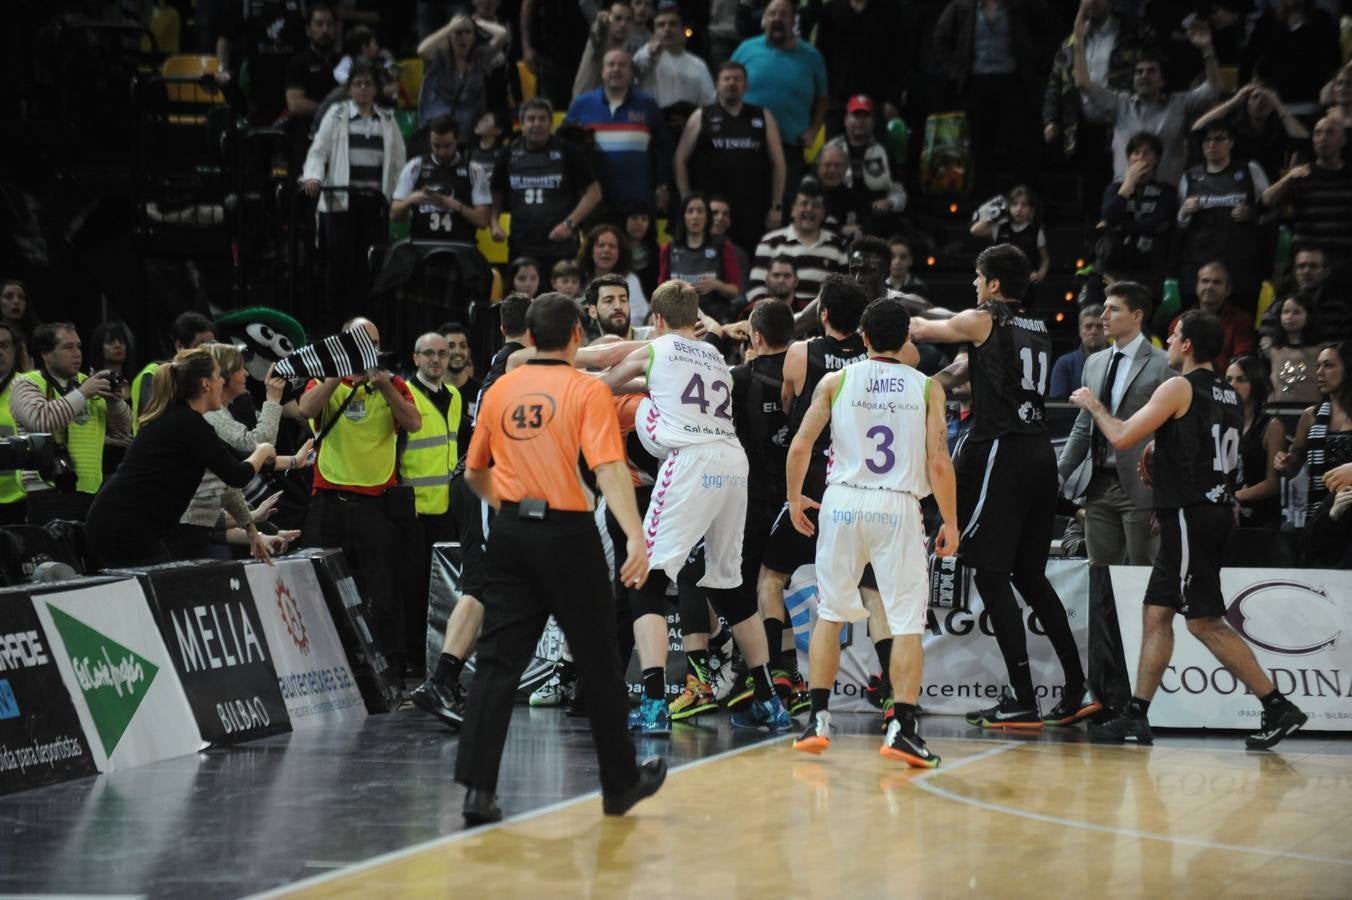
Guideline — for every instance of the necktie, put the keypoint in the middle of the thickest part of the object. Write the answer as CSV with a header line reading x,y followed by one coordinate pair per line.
x,y
1100,445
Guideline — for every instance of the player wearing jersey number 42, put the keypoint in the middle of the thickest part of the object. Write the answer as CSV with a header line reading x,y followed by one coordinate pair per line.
x,y
889,440
1196,419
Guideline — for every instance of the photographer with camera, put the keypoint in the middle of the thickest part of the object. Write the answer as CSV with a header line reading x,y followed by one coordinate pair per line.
x,y
13,506
357,504
80,412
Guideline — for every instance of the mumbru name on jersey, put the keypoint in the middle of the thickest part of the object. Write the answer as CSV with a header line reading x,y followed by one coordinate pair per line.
x,y
535,182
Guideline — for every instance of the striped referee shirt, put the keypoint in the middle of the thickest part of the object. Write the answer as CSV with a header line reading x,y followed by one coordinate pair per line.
x,y
824,256
366,148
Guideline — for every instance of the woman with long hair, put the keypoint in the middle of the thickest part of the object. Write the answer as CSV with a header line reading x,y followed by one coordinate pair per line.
x,y
605,251
18,314
1324,441
141,504
112,348
199,524
695,256
523,276
1258,485
1293,352
458,70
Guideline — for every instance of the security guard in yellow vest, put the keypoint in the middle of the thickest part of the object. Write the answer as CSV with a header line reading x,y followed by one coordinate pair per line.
x,y
427,459
78,411
189,331
12,502
352,507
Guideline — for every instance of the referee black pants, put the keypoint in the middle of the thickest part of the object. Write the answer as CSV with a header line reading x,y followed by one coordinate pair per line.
x,y
535,569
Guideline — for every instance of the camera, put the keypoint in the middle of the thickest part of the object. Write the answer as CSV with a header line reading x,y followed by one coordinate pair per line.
x,y
115,381
41,453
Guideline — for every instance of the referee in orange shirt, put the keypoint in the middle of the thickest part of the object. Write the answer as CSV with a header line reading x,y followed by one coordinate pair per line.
x,y
541,428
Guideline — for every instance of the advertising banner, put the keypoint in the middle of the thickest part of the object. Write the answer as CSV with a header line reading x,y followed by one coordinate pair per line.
x,y
119,674
209,623
1298,623
41,741
312,671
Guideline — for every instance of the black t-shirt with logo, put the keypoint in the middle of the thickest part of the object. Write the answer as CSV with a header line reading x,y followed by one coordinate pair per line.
x,y
433,222
541,187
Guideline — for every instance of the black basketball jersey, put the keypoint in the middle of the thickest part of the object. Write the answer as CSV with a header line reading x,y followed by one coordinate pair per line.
x,y
432,223
1009,375
695,265
1212,232
762,427
1196,455
824,356
541,191
732,157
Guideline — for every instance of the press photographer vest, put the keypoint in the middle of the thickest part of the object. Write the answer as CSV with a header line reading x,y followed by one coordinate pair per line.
x,y
144,377
432,223
11,482
83,437
431,454
359,451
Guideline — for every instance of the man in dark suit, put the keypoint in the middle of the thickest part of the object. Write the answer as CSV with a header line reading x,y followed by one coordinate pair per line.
x,y
1117,504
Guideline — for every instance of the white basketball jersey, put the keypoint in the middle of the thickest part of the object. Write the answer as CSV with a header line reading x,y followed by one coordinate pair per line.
x,y
878,429
689,395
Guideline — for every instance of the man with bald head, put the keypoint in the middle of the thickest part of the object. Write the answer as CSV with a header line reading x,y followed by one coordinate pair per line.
x,y
633,162
1319,197
358,420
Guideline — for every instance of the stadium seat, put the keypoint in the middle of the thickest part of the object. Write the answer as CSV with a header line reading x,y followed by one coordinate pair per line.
x,y
187,97
528,84
410,82
492,251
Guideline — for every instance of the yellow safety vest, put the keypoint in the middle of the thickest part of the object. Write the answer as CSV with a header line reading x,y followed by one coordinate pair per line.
x,y
11,482
83,437
136,408
360,450
431,453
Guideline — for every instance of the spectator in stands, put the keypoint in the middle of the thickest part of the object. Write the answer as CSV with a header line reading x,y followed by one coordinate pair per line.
x,y
360,418
547,185
1264,129
1147,107
112,348
1292,352
869,174
1330,312
554,35
781,284
1213,296
786,75
310,73
996,54
1115,41
1068,370
676,79
1295,49
487,144
899,274
1257,482
457,70
523,276
188,331
1218,215
816,252
734,150
634,158
846,211
358,145
720,226
446,198
460,365
81,412
1324,440
606,252
566,278
612,29
264,37
1319,197
1337,97
694,256
18,314
641,233
1018,221
859,41
164,467
13,502
1137,216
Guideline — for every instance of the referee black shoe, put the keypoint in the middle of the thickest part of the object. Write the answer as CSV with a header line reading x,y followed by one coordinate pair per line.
x,y
1010,713
1277,723
1122,729
446,703
651,773
481,808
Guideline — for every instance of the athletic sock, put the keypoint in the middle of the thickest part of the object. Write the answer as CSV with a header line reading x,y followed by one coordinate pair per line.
x,y
655,683
905,712
698,663
1272,700
447,670
1007,623
821,698
788,661
1042,599
1137,708
718,643
774,636
884,650
760,680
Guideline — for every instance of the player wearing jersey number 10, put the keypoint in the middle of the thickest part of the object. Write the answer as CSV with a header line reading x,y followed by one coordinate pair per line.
x,y
889,443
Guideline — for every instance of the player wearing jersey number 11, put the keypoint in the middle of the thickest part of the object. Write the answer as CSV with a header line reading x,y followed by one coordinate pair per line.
x,y
889,442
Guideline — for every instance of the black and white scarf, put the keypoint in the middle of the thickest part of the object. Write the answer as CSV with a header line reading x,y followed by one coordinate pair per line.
x,y
349,353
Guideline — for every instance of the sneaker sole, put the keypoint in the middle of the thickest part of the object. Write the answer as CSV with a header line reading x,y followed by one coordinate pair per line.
x,y
1116,739
1009,726
737,700
799,708
814,745
1083,714
693,711
545,704
914,762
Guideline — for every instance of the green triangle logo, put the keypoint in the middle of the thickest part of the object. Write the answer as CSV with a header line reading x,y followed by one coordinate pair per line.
x,y
114,679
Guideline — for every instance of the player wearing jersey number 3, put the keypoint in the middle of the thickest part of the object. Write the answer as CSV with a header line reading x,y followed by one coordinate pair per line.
x,y
889,450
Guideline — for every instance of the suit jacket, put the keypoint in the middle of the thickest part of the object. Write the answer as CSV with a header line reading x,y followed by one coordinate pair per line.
x,y
1149,369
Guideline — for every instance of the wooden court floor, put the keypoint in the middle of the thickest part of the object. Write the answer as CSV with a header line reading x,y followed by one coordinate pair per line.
x,y
1001,818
